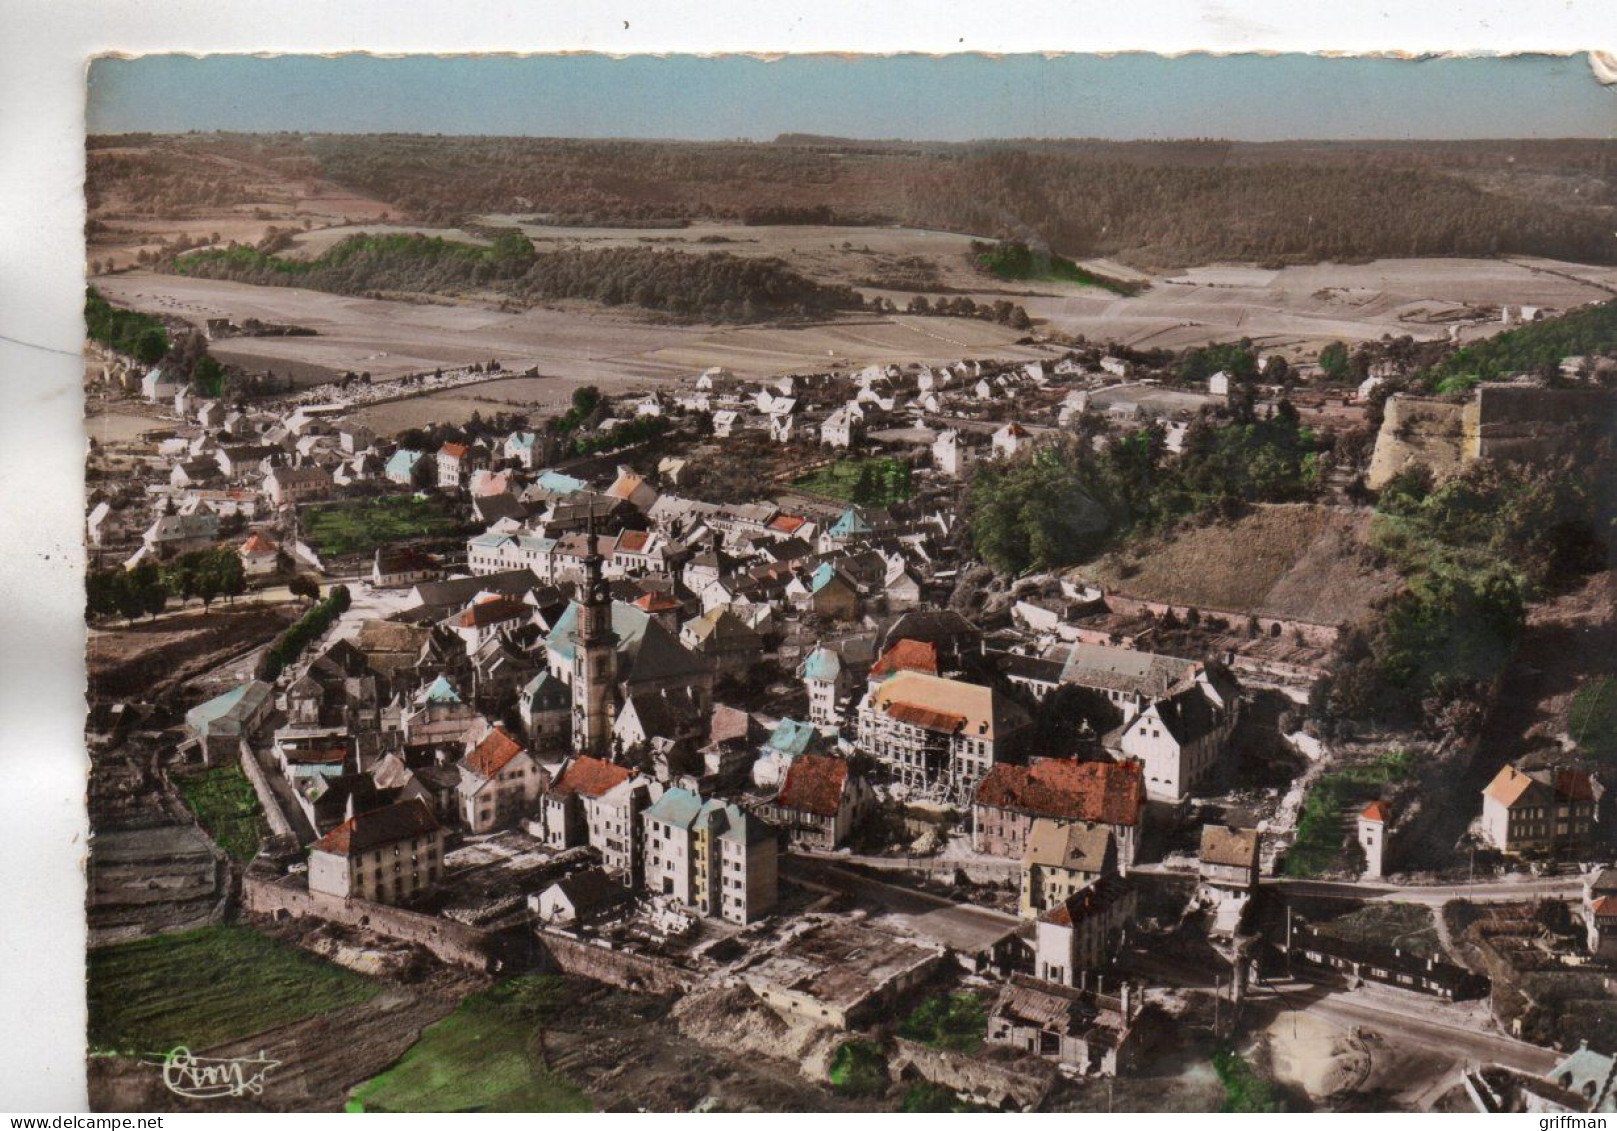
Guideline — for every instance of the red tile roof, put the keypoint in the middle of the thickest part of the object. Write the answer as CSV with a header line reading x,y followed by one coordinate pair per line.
x,y
907,656
1108,793
1377,811
494,753
814,784
633,541
491,610
257,544
656,602
1605,907
590,777
365,831
787,523
456,451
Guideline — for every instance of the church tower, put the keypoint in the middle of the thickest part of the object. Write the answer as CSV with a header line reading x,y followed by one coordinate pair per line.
x,y
595,658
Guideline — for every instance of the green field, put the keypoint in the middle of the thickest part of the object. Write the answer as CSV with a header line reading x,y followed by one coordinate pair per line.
x,y
869,482
360,526
859,1068
480,1058
1320,831
204,987
224,801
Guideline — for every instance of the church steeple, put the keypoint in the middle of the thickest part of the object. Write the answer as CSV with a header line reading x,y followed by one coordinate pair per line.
x,y
594,654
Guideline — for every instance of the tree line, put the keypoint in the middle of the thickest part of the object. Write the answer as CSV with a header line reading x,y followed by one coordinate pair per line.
x,y
712,286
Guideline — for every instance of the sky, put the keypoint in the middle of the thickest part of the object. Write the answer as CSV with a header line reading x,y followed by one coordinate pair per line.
x,y
948,98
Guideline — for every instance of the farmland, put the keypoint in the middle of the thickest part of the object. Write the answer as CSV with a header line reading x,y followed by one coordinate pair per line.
x,y
361,526
200,988
482,1057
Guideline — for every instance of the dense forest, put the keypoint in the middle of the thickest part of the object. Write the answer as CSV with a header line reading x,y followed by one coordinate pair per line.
x,y
1147,203
713,286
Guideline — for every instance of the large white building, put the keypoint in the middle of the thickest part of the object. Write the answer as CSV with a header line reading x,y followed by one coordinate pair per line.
x,y
387,855
710,856
937,736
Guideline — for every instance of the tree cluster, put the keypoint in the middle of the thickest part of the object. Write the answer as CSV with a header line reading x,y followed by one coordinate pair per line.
x,y
291,643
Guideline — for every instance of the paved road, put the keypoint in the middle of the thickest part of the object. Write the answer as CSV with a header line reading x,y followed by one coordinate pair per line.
x,y
1433,895
1474,1045
963,927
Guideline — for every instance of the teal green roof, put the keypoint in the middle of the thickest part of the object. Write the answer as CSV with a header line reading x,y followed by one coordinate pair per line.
x,y
823,663
850,522
228,710
792,738
559,483
440,690
676,807
402,462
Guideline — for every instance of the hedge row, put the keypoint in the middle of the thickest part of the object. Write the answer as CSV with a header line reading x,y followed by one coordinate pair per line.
x,y
309,627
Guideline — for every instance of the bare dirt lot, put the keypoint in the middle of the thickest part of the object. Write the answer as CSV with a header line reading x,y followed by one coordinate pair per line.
x,y
1296,561
150,658
1298,308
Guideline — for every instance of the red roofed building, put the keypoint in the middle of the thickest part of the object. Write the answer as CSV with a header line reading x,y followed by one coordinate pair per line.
x,y
821,801
1010,798
456,462
906,656
388,855
1373,825
581,778
1548,810
1083,931
258,555
486,617
499,781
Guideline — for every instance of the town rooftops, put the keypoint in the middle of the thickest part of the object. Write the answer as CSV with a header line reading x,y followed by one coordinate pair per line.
x,y
491,610
589,777
494,753
946,705
814,784
363,832
1145,674
1234,848
1110,793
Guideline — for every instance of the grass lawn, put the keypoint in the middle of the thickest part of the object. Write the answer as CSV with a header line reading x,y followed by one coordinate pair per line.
x,y
359,526
859,1068
480,1058
886,481
1593,718
1408,926
224,801
1320,834
956,1022
204,987
1245,1092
